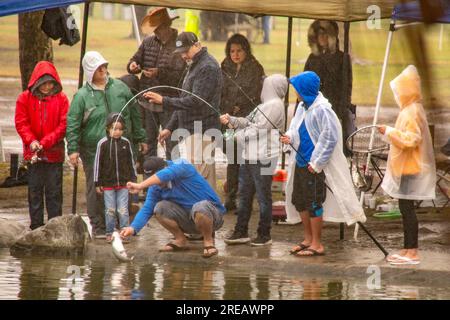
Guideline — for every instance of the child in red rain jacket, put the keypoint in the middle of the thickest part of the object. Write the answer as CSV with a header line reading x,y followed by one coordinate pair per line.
x,y
40,120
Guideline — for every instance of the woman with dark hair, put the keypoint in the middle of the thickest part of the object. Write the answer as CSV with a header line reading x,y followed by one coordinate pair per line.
x,y
243,78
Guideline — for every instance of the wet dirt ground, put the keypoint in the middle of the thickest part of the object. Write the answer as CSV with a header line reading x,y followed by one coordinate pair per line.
x,y
344,259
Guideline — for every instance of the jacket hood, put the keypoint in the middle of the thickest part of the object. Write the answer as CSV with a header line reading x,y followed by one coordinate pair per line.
x,y
274,87
406,87
91,61
307,85
44,71
331,29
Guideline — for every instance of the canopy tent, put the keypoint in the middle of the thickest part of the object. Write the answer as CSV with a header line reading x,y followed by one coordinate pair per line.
x,y
339,10
9,7
411,12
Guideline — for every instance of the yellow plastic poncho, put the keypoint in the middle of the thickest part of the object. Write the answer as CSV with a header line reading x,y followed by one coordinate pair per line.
x,y
411,170
192,22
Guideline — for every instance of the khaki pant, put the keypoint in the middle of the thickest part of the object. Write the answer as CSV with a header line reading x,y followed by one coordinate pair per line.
x,y
200,152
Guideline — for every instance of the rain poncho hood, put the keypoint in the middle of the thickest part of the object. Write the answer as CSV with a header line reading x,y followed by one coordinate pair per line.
x,y
341,205
260,140
274,87
411,170
44,71
91,61
307,85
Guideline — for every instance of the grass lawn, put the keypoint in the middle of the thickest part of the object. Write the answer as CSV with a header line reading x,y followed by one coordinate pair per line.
x,y
368,47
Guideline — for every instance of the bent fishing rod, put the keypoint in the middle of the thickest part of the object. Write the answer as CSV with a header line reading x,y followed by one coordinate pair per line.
x,y
270,122
168,87
296,150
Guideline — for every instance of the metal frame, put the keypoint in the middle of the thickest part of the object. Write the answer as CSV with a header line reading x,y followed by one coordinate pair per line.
x,y
288,67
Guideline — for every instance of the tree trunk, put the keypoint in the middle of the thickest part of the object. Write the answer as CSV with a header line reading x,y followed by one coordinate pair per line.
x,y
141,12
34,44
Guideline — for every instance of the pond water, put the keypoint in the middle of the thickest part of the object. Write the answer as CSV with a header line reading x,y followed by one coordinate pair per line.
x,y
79,279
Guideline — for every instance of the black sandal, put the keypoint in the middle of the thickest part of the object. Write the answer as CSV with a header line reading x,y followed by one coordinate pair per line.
x,y
314,253
300,246
174,247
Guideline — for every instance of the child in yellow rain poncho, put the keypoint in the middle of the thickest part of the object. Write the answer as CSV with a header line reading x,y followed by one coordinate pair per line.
x,y
410,173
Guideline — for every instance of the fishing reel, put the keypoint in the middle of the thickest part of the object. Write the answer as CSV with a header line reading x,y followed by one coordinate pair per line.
x,y
230,133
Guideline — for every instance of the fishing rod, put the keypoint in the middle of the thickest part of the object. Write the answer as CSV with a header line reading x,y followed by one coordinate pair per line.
x,y
296,150
168,87
267,118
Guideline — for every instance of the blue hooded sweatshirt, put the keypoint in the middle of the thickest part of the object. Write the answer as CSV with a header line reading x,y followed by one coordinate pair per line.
x,y
307,85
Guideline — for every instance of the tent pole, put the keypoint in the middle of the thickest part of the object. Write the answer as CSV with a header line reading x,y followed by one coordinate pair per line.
x,y
380,88
135,25
83,43
80,84
345,67
392,28
380,91
288,74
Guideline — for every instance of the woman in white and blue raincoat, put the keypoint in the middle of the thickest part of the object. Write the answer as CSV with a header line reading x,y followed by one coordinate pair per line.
x,y
319,186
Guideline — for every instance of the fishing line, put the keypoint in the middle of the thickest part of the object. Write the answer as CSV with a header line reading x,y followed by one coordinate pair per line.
x,y
359,223
167,87
271,123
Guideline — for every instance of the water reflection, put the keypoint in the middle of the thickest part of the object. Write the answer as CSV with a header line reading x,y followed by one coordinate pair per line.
x,y
42,279
78,279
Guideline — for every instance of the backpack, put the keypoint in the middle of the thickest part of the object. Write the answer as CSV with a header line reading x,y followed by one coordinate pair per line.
x,y
58,23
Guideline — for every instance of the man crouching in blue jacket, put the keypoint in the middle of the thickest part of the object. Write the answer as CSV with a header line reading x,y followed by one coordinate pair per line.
x,y
183,202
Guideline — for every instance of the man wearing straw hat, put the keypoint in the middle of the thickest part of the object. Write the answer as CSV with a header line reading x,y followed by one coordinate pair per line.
x,y
158,65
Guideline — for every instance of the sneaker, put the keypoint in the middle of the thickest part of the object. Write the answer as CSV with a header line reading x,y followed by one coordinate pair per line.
x,y
259,241
108,238
237,238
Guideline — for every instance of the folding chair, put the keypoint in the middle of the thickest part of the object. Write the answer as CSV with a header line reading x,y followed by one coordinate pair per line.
x,y
443,181
375,159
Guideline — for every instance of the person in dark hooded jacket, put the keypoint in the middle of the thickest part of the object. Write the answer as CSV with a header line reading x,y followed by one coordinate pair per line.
x,y
41,119
327,61
242,85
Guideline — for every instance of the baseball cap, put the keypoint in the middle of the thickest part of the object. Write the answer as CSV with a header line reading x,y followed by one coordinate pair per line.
x,y
154,164
184,41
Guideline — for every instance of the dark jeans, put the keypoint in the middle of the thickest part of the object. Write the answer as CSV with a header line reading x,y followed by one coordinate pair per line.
x,y
94,202
232,182
232,173
153,120
44,179
410,224
250,182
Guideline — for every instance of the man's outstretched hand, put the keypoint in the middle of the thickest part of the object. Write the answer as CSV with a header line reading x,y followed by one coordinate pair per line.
x,y
126,232
134,188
